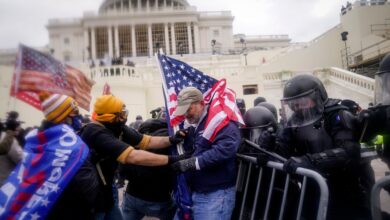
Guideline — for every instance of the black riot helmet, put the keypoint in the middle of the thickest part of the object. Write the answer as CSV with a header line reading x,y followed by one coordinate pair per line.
x,y
304,98
270,107
257,120
258,100
382,82
241,105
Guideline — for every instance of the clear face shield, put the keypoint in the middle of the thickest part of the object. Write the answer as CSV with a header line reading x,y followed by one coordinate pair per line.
x,y
254,133
302,110
382,89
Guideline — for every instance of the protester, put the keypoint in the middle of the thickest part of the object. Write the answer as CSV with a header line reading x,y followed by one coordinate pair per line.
x,y
138,121
143,196
102,137
52,155
211,171
10,150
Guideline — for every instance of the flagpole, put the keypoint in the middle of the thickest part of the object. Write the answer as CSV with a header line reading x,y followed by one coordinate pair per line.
x,y
176,127
18,68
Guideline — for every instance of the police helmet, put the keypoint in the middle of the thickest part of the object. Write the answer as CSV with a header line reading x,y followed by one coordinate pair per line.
x,y
259,100
257,120
304,98
270,107
241,105
302,84
259,116
382,82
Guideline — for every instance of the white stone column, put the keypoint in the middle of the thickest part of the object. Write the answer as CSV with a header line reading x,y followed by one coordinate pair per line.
x,y
196,38
165,3
189,35
173,37
147,6
116,39
166,39
86,45
139,5
93,43
150,42
133,43
110,47
156,4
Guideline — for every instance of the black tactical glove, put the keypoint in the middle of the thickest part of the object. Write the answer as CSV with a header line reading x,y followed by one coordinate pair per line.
x,y
267,140
184,165
291,165
174,158
262,159
179,136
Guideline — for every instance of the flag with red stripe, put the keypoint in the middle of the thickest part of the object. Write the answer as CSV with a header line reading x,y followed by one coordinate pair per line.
x,y
221,100
36,72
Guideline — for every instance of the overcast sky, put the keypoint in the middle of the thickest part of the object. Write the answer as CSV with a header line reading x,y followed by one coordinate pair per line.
x,y
24,21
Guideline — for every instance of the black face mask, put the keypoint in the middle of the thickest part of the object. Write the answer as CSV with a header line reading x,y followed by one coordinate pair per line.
x,y
115,127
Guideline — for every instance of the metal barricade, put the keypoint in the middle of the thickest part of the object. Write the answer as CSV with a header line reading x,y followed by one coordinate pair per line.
x,y
375,197
260,208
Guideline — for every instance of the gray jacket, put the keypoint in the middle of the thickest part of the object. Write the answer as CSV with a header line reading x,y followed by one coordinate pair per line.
x,y
9,161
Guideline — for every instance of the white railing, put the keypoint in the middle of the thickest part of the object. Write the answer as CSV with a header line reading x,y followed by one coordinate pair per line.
x,y
361,84
120,71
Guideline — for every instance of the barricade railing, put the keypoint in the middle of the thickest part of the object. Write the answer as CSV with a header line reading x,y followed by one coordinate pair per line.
x,y
375,197
260,208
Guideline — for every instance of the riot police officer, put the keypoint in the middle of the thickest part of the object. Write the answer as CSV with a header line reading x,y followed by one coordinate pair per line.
x,y
316,136
376,119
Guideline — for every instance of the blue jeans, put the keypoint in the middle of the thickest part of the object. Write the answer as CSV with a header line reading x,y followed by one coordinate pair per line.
x,y
217,205
135,209
115,212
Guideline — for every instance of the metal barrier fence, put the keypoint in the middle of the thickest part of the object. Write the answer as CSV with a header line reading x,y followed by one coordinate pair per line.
x,y
375,197
275,200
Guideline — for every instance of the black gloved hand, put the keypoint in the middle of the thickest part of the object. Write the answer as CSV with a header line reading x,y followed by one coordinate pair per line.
x,y
291,165
11,124
179,136
267,140
262,159
184,165
174,158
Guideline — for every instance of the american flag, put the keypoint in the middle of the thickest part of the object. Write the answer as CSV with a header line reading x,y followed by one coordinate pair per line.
x,y
36,72
178,75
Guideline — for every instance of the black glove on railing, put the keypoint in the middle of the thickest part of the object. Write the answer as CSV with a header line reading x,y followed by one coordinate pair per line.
x,y
291,165
184,165
262,159
179,136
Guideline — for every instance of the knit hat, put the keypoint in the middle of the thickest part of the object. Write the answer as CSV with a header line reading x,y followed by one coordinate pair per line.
x,y
57,107
106,107
187,96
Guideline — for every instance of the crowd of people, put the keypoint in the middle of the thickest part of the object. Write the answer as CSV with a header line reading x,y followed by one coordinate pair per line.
x,y
314,131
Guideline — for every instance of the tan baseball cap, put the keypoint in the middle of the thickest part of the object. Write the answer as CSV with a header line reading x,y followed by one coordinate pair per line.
x,y
187,96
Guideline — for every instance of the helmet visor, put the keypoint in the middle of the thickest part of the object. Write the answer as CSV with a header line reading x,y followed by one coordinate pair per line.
x,y
382,89
302,110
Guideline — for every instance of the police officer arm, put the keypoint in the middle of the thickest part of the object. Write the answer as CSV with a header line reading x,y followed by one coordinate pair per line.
x,y
346,150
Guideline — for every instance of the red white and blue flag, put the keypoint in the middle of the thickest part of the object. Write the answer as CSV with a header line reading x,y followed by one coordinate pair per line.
x,y
36,71
178,75
51,158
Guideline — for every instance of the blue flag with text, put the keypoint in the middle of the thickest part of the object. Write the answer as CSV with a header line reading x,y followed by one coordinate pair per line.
x,y
51,158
